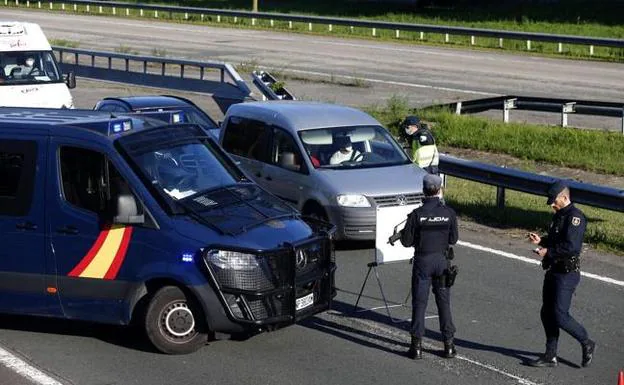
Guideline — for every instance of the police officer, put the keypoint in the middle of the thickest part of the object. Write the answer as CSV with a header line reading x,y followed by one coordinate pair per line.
x,y
426,154
560,251
430,229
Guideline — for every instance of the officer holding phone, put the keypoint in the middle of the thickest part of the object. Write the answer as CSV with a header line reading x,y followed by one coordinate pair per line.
x,y
560,251
431,229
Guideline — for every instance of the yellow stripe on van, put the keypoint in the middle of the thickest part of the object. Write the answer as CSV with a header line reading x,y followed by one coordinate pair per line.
x,y
105,256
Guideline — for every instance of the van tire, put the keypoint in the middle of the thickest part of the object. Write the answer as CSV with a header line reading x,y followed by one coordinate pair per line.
x,y
174,322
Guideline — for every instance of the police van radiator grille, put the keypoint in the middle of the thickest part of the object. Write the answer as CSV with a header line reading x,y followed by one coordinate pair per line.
x,y
398,200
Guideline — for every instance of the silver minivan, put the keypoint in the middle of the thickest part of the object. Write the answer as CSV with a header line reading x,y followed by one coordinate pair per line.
x,y
332,162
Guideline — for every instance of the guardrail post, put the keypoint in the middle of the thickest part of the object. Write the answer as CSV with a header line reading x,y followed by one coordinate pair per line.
x,y
273,23
446,37
201,73
458,108
396,34
182,71
235,19
27,4
566,109
127,64
100,9
508,104
127,11
110,62
500,197
162,69
374,31
51,5
472,40
253,21
528,45
591,50
144,66
63,6
559,47
422,35
309,26
114,11
155,14
329,28
141,12
75,7
289,24
185,15
88,8
92,60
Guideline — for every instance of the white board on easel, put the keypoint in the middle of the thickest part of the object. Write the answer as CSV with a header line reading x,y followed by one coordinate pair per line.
x,y
387,219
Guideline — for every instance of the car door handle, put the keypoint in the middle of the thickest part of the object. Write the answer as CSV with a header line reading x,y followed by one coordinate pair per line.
x,y
67,230
26,226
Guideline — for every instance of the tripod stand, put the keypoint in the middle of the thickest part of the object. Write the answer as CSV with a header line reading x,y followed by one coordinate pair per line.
x,y
371,266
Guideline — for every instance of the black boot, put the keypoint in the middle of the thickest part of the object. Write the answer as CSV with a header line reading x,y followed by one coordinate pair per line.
x,y
588,352
415,350
548,360
449,349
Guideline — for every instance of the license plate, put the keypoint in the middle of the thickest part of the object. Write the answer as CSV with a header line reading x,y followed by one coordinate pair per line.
x,y
303,302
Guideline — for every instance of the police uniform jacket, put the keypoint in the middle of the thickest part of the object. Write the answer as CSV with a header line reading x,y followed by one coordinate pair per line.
x,y
431,228
564,240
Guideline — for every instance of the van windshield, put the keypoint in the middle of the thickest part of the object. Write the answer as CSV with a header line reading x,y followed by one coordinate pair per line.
x,y
180,161
28,67
349,147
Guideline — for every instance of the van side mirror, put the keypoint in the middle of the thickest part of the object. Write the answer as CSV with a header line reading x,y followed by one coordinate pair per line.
x,y
128,211
70,79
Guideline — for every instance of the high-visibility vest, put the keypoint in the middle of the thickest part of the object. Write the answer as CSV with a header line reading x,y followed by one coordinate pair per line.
x,y
426,156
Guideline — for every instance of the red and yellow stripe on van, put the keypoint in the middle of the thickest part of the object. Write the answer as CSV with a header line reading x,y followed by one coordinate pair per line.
x,y
105,257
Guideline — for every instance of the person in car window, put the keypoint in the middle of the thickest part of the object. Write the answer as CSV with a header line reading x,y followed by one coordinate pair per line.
x,y
346,153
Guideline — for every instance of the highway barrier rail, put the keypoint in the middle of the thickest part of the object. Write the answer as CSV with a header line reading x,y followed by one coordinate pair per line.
x,y
221,80
536,184
562,106
154,10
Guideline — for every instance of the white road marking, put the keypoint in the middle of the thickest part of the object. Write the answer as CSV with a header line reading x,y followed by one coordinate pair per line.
x,y
24,369
401,335
391,82
535,262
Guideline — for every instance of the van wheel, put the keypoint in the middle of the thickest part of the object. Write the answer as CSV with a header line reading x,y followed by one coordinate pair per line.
x,y
173,322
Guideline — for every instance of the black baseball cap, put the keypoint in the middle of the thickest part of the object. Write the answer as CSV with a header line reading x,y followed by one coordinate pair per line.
x,y
554,190
411,120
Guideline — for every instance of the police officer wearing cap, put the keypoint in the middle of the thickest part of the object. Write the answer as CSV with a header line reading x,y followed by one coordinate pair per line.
x,y
560,251
426,154
430,229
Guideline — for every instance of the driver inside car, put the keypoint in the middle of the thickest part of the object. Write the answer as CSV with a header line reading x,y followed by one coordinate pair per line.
x,y
346,153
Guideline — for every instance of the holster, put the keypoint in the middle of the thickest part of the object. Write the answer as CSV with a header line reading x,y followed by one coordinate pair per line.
x,y
449,275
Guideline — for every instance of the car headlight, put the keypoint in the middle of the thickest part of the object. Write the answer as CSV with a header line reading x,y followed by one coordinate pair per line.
x,y
232,260
350,200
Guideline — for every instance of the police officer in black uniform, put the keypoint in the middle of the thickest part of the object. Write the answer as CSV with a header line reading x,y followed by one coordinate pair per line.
x,y
430,229
560,251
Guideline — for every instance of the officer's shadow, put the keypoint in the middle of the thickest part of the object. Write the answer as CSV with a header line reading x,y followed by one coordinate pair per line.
x,y
383,343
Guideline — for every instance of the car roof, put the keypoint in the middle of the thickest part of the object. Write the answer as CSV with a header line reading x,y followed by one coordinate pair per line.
x,y
151,101
298,115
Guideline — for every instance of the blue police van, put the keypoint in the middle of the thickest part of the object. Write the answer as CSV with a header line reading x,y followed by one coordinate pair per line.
x,y
130,219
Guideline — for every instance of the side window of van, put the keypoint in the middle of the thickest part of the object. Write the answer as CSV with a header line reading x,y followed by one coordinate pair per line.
x,y
84,180
246,137
17,176
284,151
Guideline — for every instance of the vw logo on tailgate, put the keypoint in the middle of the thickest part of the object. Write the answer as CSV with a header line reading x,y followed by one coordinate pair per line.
x,y
401,200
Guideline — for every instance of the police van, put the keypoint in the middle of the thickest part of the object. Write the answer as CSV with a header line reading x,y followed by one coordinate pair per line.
x,y
29,73
131,219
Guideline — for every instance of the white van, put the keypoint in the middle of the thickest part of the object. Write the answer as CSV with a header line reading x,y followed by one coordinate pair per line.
x,y
29,73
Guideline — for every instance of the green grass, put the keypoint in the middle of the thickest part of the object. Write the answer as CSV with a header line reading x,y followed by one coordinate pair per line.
x,y
591,150
573,19
476,202
64,43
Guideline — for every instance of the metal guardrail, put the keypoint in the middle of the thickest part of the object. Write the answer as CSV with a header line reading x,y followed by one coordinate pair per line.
x,y
562,106
597,196
330,22
270,87
216,78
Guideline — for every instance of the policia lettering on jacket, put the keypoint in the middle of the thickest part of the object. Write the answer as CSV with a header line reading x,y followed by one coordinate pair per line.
x,y
431,229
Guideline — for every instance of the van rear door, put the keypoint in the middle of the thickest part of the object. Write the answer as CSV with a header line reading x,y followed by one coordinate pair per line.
x,y
22,227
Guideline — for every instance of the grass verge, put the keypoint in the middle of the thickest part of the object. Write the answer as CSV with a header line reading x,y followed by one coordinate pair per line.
x,y
590,150
476,202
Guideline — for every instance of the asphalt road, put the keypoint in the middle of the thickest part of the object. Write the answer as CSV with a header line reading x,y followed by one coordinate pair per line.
x,y
496,304
495,301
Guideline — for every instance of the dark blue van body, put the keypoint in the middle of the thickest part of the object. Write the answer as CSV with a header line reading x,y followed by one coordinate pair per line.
x,y
126,219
